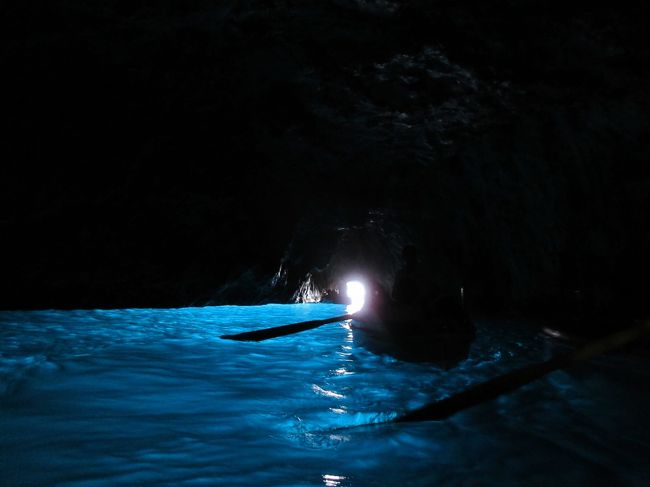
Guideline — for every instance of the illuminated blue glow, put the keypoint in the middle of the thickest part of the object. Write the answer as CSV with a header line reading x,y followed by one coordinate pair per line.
x,y
155,397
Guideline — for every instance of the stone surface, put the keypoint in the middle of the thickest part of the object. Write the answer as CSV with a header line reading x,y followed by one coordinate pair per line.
x,y
178,153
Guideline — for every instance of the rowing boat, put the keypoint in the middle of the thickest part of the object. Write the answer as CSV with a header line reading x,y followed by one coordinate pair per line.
x,y
441,334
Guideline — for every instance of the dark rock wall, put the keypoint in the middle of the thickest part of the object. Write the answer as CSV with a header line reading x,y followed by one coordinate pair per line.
x,y
177,153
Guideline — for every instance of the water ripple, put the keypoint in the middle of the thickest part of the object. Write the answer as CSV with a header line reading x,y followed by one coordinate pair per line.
x,y
155,397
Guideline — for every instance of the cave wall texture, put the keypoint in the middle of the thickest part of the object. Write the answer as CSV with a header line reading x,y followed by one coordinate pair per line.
x,y
173,153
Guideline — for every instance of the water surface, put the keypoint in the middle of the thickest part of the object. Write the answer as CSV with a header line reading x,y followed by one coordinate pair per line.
x,y
155,397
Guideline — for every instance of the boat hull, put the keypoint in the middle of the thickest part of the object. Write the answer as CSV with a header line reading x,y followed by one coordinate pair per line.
x,y
413,338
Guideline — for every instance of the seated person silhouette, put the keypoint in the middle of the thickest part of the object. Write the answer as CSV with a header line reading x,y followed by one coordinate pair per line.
x,y
406,287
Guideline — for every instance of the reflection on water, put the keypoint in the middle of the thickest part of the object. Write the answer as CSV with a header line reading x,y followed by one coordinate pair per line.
x,y
154,397
333,480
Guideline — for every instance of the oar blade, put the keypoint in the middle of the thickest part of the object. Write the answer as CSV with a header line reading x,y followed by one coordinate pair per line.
x,y
283,330
483,392
517,378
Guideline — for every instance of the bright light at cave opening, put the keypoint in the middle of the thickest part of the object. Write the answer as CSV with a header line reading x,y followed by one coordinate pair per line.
x,y
357,294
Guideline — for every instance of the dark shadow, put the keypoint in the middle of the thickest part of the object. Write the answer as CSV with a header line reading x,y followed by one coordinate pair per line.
x,y
438,330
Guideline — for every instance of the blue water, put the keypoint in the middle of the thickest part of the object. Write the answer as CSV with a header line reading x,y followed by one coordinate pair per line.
x,y
153,397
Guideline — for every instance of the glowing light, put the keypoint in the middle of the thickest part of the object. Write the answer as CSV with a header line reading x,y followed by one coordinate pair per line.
x,y
357,294
343,371
333,480
339,410
324,392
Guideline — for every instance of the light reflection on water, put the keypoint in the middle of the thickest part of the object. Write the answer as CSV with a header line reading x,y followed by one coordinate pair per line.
x,y
154,397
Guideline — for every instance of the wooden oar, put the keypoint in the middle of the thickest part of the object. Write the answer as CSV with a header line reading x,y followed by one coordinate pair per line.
x,y
278,331
511,381
503,384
